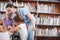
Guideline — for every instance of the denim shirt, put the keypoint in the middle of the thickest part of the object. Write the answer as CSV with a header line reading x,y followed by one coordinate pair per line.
x,y
23,12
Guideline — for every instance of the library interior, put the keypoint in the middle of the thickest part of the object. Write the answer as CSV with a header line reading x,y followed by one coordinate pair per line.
x,y
29,19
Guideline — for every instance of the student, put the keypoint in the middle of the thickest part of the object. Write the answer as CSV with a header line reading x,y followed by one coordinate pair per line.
x,y
21,26
8,21
4,35
28,18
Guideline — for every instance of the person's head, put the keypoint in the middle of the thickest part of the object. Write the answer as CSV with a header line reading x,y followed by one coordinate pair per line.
x,y
8,15
18,19
10,8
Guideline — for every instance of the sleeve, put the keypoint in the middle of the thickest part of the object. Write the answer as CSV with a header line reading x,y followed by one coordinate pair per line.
x,y
21,26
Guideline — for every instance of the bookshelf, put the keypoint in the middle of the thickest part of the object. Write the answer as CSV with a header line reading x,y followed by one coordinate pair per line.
x,y
2,8
44,10
2,5
2,12
51,14
45,25
41,1
25,0
48,38
29,4
4,0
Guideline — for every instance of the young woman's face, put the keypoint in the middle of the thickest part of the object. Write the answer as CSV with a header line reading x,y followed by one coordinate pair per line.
x,y
10,10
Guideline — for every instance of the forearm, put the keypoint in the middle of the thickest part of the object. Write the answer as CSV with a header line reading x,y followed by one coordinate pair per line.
x,y
3,29
33,23
14,29
31,18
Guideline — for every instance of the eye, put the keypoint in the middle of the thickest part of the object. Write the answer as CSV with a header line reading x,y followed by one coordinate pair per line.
x,y
8,10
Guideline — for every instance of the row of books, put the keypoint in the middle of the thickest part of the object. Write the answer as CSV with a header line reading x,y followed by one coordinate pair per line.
x,y
2,6
29,6
47,32
45,8
48,20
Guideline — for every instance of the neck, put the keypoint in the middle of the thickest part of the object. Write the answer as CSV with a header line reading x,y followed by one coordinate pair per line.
x,y
8,18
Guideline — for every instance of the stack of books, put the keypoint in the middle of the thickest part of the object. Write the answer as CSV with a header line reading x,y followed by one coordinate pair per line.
x,y
2,6
28,6
47,32
48,20
45,8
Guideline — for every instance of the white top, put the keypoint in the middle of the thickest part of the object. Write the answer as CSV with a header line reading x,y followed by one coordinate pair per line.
x,y
23,30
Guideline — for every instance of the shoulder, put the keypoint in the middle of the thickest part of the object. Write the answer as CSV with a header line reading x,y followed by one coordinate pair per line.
x,y
21,9
22,25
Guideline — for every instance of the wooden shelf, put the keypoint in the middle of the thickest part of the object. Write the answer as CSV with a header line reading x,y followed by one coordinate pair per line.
x,y
4,0
25,0
49,2
48,26
2,12
33,13
47,38
51,14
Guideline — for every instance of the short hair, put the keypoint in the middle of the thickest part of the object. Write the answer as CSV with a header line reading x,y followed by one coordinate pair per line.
x,y
10,5
18,18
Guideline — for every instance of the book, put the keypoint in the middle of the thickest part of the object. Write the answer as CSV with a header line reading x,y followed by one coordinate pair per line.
x,y
40,8
47,32
48,20
45,8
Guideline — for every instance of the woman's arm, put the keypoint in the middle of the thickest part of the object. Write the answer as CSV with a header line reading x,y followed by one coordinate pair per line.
x,y
32,20
2,27
14,29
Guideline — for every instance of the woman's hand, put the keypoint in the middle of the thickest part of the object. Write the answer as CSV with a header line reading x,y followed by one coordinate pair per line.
x,y
2,29
34,28
9,27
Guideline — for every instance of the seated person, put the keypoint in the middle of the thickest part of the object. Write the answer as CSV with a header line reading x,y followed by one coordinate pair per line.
x,y
20,26
8,21
4,35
